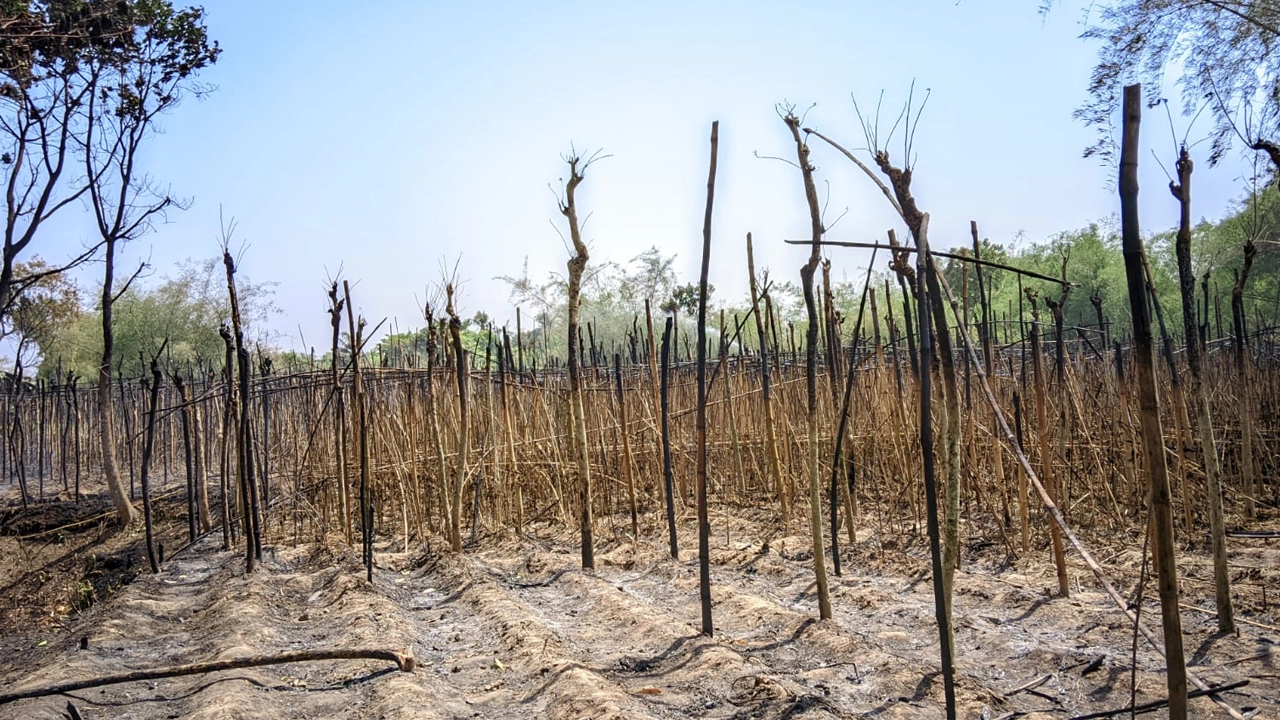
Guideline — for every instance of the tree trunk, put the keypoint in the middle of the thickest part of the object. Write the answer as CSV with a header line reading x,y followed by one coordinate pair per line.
x,y
577,264
811,369
125,510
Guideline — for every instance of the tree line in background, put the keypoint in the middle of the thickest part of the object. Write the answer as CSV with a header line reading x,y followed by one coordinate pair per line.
x,y
58,332
616,297
56,327
83,84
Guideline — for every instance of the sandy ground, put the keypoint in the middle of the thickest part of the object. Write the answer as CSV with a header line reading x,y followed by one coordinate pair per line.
x,y
514,629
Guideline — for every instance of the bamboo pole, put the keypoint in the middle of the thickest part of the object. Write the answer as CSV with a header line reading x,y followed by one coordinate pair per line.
x,y
1161,511
700,420
771,433
1056,516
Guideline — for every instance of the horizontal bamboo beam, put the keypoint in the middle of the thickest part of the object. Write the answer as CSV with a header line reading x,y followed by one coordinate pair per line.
x,y
935,253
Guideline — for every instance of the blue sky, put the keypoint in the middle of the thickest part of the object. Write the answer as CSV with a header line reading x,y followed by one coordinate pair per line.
x,y
395,138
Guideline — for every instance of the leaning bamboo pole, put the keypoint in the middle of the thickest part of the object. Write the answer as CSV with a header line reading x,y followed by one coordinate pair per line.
x,y
766,395
1055,514
1042,434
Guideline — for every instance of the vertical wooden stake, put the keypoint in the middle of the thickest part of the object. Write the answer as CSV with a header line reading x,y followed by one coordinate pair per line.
x,y
668,481
700,420
1152,434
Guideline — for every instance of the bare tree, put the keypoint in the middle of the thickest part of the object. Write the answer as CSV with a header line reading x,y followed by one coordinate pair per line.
x,y
132,84
793,123
577,265
42,96
1198,395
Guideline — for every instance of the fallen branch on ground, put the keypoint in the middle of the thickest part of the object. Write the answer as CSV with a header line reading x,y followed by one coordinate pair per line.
x,y
405,661
1157,704
1264,626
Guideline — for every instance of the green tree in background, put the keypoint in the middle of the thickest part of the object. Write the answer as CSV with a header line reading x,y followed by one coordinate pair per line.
x,y
49,303
186,309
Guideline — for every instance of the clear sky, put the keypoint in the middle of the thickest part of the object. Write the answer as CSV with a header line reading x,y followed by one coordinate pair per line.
x,y
394,138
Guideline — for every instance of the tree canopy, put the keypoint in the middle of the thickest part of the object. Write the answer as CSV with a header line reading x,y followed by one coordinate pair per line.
x,y
1223,53
82,83
186,309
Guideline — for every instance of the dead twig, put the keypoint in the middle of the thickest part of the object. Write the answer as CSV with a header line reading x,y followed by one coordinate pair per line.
x,y
1264,626
1029,685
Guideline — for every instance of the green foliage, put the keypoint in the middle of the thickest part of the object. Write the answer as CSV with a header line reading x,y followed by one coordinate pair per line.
x,y
409,348
613,298
1256,218
684,299
613,295
47,301
40,36
1092,259
84,596
1224,52
290,361
186,309
1095,266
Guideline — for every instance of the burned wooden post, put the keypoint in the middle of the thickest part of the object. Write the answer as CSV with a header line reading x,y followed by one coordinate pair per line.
x,y
700,419
148,444
668,481
1152,432
1199,397
244,437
